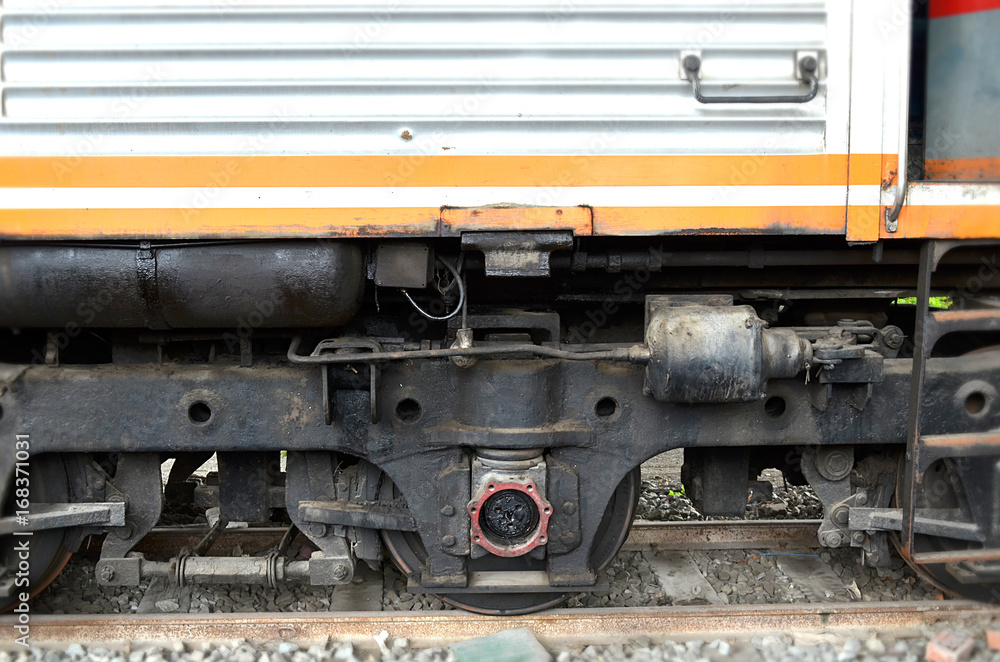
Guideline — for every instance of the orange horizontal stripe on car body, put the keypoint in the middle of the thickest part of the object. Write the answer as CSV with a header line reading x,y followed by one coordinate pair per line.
x,y
217,223
455,220
434,170
410,222
619,221
942,221
963,169
947,222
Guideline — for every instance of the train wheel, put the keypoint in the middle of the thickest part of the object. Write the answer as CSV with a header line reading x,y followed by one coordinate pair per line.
x,y
408,554
941,488
49,483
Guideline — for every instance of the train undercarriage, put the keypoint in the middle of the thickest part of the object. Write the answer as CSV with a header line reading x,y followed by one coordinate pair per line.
x,y
476,411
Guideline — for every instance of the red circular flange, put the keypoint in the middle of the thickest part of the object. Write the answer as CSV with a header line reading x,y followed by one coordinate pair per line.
x,y
538,538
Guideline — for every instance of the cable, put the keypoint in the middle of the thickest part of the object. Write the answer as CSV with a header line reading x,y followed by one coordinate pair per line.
x,y
461,296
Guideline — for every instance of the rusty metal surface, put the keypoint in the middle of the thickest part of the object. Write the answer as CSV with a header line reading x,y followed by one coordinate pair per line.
x,y
645,535
562,627
728,534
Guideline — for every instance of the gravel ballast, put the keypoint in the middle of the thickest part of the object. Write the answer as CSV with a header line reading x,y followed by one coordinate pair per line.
x,y
804,647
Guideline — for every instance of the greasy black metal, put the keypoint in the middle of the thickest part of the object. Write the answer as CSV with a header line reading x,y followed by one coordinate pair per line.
x,y
517,254
238,286
134,475
807,70
547,323
713,353
508,516
964,468
408,264
633,354
378,515
149,289
49,549
715,480
497,403
244,480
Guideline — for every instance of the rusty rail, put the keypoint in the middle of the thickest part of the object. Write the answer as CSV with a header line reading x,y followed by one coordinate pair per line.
x,y
557,627
770,535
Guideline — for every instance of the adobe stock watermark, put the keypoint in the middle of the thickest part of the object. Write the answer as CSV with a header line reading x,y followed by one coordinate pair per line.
x,y
22,538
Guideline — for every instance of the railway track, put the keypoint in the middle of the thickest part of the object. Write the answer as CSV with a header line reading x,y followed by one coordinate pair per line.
x,y
554,628
644,536
560,628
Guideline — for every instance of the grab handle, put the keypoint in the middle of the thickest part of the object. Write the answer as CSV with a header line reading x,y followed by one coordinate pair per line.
x,y
806,66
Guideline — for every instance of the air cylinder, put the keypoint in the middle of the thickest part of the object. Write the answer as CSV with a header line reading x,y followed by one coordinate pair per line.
x,y
263,284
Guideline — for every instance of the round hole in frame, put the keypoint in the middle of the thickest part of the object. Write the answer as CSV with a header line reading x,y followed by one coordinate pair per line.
x,y
199,413
775,407
975,403
408,410
606,407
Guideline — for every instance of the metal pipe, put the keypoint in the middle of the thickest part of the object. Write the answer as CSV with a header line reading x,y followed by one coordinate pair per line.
x,y
634,354
892,214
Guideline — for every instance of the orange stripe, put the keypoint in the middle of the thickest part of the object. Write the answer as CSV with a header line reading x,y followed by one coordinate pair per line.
x,y
428,222
454,221
935,222
968,169
865,169
947,222
217,223
437,170
611,221
864,222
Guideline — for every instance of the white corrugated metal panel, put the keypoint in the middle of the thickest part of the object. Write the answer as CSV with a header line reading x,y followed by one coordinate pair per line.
x,y
238,76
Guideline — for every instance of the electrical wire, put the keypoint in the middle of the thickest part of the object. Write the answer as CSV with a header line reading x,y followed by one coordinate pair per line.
x,y
461,296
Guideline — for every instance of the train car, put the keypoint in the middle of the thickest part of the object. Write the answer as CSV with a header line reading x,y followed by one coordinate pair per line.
x,y
431,280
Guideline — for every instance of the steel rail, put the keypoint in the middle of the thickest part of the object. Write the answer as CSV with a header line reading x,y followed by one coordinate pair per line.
x,y
561,627
768,535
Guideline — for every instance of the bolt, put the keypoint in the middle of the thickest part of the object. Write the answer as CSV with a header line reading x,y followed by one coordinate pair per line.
x,y
893,337
861,498
339,570
107,573
841,515
99,484
832,539
123,532
317,530
569,507
835,464
448,541
858,537
448,511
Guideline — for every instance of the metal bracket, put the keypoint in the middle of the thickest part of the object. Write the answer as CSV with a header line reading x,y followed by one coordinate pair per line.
x,y
380,515
927,521
517,254
62,515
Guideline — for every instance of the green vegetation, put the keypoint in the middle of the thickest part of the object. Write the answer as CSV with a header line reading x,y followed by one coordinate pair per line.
x,y
936,302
